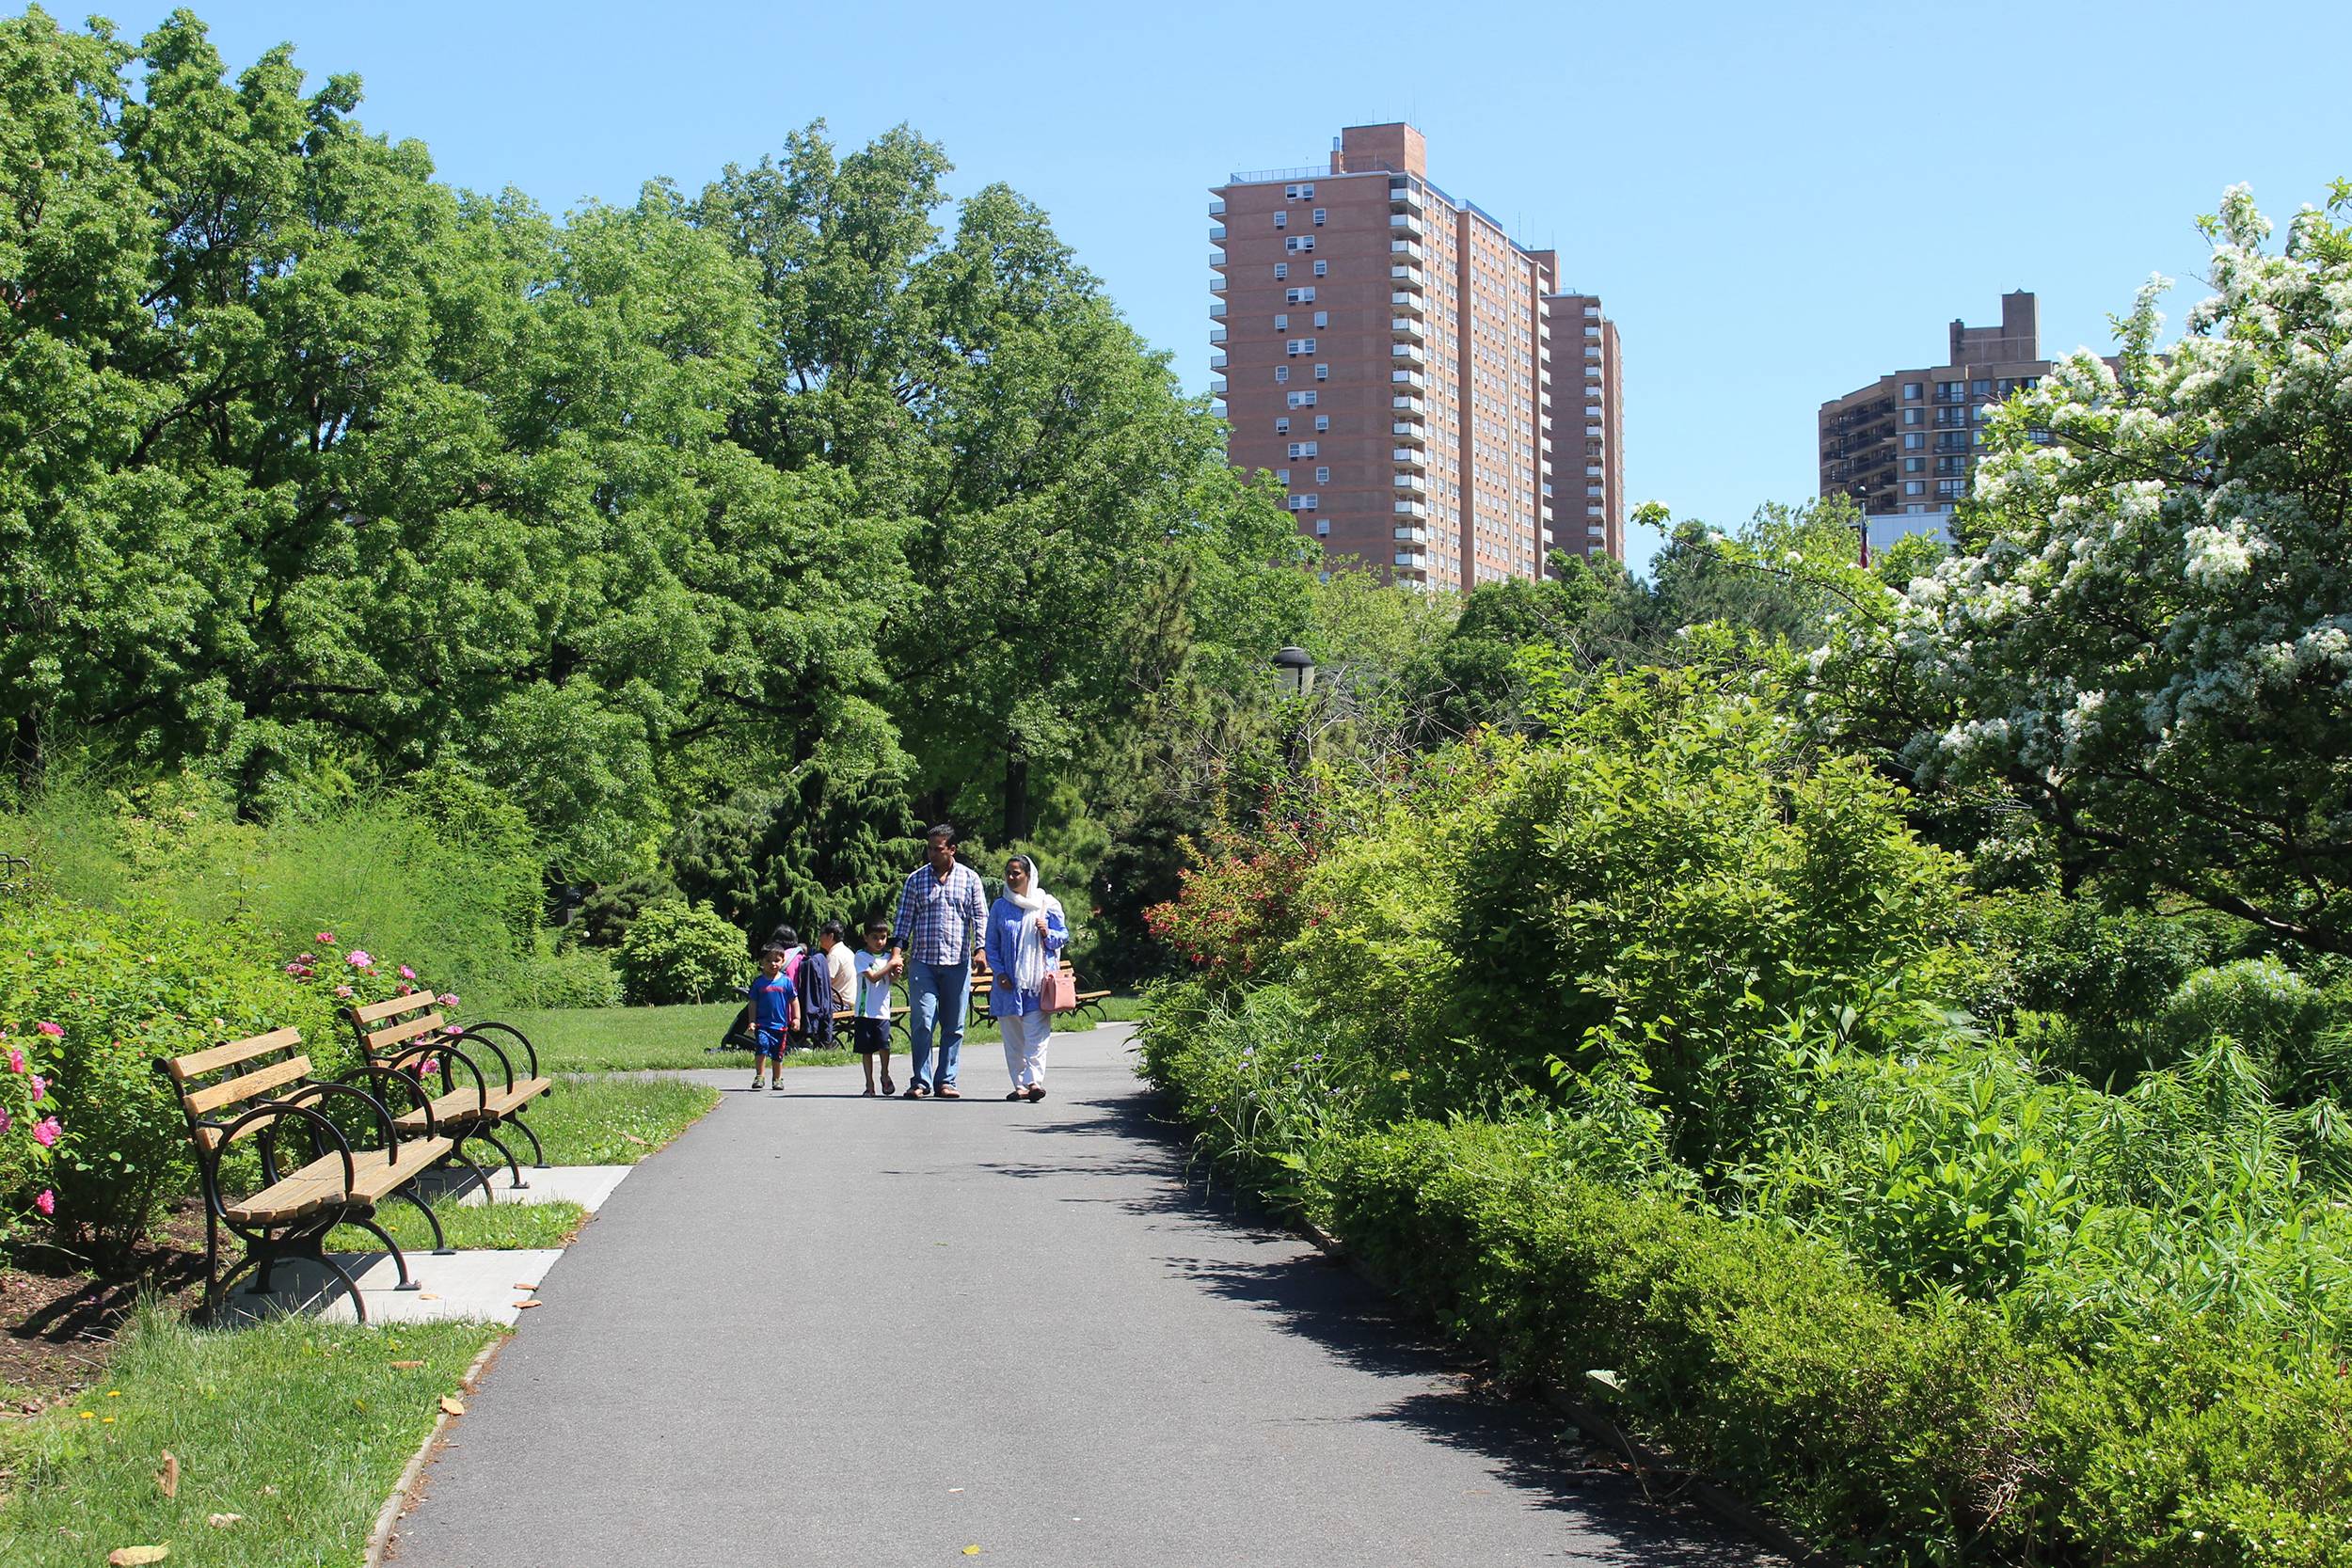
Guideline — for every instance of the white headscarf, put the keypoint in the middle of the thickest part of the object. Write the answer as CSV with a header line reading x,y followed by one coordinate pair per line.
x,y
1028,968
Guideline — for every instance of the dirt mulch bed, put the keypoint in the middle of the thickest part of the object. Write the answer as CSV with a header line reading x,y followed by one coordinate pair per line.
x,y
58,1316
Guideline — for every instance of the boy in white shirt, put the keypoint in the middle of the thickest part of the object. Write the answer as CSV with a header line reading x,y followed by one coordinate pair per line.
x,y
870,1028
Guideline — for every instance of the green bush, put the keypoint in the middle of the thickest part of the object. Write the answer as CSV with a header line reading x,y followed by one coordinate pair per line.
x,y
2274,1015
126,987
605,916
29,1129
1932,1434
568,977
2083,987
675,952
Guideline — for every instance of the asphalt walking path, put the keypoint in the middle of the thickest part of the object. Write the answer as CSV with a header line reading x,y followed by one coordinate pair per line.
x,y
822,1329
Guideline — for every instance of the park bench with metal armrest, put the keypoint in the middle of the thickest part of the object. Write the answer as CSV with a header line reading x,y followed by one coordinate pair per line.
x,y
408,1035
314,1173
1090,1002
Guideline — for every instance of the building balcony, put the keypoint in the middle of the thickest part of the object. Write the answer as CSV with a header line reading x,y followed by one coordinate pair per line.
x,y
1416,560
1217,207
1405,300
1406,327
1216,284
1411,277
1592,353
1412,405
1406,198
1548,538
1408,379
1217,387
1547,490
1216,234
1218,260
1411,482
1412,536
1412,509
1411,353
1594,433
1410,457
1216,307
1217,361
1405,247
1407,430
1217,337
1591,470
1591,312
1407,224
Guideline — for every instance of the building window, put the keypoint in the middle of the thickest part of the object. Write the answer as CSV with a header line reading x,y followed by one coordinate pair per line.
x,y
1913,441
1323,318
1282,476
1323,422
1318,218
1281,220
1913,391
1302,449
1281,373
1281,424
1281,270
1980,389
1914,464
1323,530
1297,296
1323,269
1915,487
1298,345
1298,193
1296,243
1323,373
1914,416
1323,476
1282,324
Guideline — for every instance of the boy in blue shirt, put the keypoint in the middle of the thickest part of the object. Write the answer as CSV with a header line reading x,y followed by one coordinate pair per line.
x,y
776,1013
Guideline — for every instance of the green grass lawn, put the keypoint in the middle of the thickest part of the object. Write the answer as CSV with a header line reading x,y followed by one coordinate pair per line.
x,y
298,1427
600,1120
501,1227
627,1039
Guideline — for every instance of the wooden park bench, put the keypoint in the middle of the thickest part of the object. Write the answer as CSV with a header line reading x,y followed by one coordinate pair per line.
x,y
408,1035
314,1175
1090,1002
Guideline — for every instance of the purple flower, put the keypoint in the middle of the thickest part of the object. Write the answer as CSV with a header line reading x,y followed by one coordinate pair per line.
x,y
449,998
407,973
358,958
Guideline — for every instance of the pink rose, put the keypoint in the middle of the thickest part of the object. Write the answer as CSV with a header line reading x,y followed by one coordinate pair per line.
x,y
326,939
56,1032
46,1202
342,991
407,973
449,998
45,1132
297,969
455,1029
5,1122
40,1088
358,958
16,1060
403,989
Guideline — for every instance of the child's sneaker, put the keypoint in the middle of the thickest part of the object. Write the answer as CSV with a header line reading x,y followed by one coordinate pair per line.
x,y
754,1080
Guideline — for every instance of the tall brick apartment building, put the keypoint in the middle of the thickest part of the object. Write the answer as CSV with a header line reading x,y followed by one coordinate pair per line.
x,y
1903,446
1433,400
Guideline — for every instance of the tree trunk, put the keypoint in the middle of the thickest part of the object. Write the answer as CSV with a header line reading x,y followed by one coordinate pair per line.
x,y
1016,823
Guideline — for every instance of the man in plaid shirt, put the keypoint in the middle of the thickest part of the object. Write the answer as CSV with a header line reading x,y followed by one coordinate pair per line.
x,y
941,912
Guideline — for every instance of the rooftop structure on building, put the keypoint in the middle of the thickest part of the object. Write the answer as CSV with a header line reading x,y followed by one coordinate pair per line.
x,y
1433,399
1904,446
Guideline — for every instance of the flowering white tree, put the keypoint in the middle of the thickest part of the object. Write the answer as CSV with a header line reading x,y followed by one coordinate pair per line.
x,y
2146,634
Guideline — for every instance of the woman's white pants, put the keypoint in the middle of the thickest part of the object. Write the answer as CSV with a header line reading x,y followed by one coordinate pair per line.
x,y
1026,1038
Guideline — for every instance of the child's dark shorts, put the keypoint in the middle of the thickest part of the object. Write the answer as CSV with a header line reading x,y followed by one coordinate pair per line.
x,y
870,1036
768,1043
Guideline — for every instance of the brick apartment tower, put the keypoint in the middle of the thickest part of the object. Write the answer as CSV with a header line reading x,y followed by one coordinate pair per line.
x,y
1903,446
1393,358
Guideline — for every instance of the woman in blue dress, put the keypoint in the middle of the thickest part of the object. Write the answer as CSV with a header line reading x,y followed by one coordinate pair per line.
x,y
1025,936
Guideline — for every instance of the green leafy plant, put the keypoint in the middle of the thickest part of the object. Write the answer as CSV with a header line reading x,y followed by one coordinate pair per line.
x,y
675,952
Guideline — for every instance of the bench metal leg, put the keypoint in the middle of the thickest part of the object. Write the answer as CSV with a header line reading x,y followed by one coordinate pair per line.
x,y
481,1176
512,1164
440,1242
399,1259
539,1155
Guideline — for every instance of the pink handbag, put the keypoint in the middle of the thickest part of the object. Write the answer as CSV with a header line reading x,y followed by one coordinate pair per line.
x,y
1057,992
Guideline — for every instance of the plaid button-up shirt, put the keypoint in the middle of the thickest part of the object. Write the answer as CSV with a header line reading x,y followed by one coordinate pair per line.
x,y
939,920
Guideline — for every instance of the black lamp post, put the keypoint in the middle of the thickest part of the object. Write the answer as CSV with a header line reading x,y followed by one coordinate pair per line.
x,y
1295,674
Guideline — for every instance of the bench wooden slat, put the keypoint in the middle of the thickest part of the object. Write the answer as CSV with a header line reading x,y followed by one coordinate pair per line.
x,y
250,1085
320,1185
466,1104
213,1059
401,1034
376,1012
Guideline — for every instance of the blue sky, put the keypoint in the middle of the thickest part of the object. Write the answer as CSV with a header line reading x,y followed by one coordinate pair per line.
x,y
1777,203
